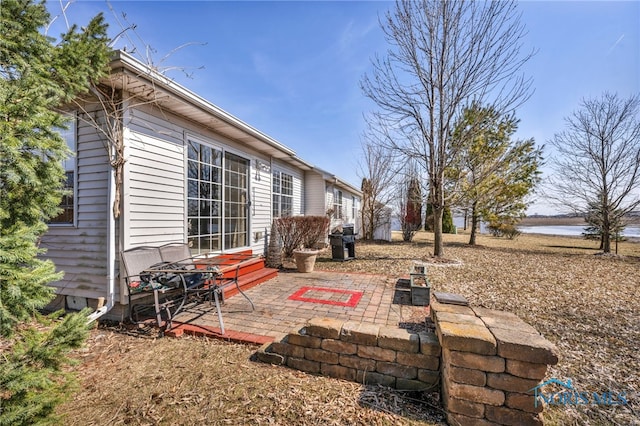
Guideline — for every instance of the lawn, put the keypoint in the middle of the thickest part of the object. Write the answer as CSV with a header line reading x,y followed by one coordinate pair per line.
x,y
585,303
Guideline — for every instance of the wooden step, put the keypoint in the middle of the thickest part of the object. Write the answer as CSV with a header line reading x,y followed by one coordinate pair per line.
x,y
251,279
246,267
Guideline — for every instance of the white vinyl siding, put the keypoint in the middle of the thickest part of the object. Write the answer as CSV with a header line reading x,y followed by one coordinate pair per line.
x,y
315,197
349,206
154,190
354,208
260,210
154,195
81,250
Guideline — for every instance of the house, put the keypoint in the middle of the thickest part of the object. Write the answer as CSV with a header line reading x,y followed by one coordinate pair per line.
x,y
191,173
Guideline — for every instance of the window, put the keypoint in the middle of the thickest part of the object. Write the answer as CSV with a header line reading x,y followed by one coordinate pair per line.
x,y
337,204
282,194
354,207
204,198
236,207
217,204
67,204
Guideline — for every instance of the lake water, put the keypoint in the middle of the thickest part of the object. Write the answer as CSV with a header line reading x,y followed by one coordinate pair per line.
x,y
572,230
568,230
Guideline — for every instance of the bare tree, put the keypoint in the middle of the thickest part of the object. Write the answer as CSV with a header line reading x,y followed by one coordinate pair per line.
x,y
101,108
443,56
598,161
377,171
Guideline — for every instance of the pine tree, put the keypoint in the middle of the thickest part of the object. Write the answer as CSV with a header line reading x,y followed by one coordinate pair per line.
x,y
428,218
36,78
447,221
492,173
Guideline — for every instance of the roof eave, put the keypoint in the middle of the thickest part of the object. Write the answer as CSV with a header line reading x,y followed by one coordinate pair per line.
x,y
123,60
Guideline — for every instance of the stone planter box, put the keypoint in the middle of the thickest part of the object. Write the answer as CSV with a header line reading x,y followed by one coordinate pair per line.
x,y
418,267
420,290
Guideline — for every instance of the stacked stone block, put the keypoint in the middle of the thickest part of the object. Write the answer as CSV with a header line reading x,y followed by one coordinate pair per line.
x,y
486,362
491,361
360,352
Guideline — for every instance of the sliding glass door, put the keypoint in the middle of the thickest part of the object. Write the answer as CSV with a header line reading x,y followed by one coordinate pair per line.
x,y
217,203
236,190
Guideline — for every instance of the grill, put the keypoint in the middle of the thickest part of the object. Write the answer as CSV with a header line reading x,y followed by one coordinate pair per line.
x,y
343,245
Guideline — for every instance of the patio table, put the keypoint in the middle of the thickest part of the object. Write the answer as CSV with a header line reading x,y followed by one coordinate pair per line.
x,y
213,279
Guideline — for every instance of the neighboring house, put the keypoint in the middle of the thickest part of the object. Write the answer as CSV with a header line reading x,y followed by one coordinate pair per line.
x,y
341,201
192,173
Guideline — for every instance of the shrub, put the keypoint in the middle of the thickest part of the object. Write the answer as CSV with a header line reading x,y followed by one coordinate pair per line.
x,y
507,230
447,222
301,232
510,231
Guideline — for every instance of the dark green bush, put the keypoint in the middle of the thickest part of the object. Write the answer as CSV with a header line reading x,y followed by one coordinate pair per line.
x,y
447,222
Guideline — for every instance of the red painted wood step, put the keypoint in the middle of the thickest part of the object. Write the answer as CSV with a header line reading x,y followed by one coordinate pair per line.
x,y
251,279
251,273
246,267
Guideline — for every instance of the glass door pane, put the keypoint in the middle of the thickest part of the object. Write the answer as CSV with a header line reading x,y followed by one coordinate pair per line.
x,y
203,198
236,190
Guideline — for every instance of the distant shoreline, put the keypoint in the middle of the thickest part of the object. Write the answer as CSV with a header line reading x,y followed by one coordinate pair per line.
x,y
553,226
552,221
561,220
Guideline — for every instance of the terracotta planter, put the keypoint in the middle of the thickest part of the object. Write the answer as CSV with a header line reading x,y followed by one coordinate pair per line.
x,y
305,259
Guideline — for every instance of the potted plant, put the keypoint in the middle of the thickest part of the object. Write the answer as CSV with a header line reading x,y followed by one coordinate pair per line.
x,y
301,236
305,259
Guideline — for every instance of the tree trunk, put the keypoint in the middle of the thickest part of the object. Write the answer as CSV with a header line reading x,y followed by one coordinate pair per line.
x,y
606,239
474,225
438,246
373,221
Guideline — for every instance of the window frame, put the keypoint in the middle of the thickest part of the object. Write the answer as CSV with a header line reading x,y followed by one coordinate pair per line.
x,y
277,206
70,134
221,182
354,210
337,204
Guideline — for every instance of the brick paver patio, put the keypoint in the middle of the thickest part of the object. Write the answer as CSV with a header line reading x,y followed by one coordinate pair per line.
x,y
328,294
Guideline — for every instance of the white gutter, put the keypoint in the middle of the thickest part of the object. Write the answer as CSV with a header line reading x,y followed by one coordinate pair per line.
x,y
111,251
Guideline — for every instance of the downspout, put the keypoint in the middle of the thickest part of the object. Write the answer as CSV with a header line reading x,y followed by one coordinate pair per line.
x,y
111,251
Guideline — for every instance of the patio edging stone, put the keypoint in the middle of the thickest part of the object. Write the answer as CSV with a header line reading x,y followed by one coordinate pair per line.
x,y
485,363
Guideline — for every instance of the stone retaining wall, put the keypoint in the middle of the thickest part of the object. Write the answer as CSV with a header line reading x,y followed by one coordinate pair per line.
x,y
365,353
485,362
491,361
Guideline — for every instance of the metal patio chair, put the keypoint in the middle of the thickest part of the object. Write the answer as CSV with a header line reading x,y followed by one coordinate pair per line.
x,y
134,262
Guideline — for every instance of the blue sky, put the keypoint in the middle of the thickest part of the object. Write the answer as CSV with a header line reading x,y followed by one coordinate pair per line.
x,y
292,69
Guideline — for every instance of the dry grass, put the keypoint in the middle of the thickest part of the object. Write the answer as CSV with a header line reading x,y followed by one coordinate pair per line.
x,y
585,303
194,381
